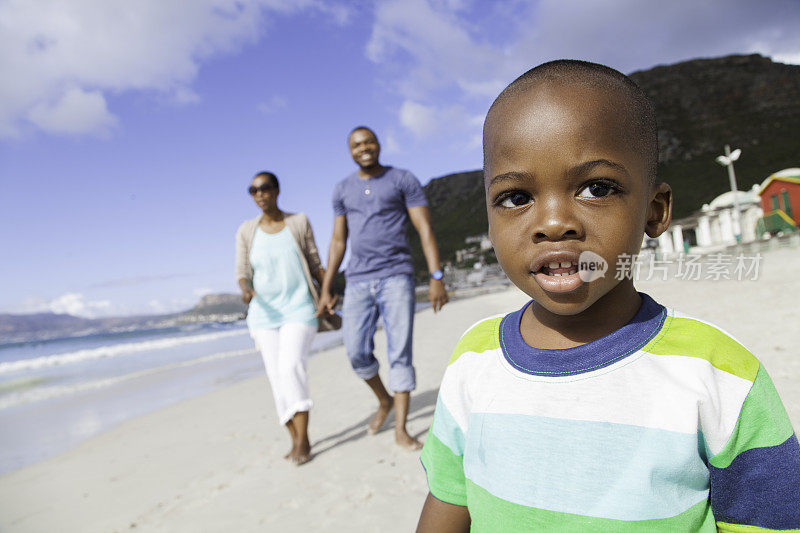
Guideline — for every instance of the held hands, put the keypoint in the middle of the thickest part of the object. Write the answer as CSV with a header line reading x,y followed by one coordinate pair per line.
x,y
327,302
247,295
437,294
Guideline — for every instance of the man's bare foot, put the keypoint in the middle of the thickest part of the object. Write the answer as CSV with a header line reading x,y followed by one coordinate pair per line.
x,y
384,408
404,440
300,454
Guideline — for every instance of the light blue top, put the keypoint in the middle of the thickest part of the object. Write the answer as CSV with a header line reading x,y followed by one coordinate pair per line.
x,y
279,282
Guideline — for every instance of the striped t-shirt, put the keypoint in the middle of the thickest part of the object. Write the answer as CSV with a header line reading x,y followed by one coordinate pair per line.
x,y
667,424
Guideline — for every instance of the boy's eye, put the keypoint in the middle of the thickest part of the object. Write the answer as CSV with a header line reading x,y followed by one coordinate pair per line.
x,y
597,189
515,199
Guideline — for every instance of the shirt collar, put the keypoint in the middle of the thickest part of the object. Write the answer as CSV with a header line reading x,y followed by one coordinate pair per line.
x,y
590,356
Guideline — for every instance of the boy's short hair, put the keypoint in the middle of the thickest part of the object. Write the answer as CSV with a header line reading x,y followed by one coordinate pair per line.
x,y
273,179
596,75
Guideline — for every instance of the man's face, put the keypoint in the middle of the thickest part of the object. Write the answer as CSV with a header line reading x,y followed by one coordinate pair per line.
x,y
563,176
364,148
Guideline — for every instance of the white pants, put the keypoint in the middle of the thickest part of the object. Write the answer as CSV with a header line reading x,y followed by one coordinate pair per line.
x,y
285,351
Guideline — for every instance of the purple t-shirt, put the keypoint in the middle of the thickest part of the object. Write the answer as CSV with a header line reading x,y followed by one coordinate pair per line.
x,y
377,212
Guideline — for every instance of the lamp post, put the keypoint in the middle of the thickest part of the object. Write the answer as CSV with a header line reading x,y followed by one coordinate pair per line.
x,y
727,161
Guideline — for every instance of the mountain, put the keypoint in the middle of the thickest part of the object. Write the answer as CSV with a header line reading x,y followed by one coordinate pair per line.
x,y
13,327
217,304
44,326
746,101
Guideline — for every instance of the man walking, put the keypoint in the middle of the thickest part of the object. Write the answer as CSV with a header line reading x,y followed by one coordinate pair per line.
x,y
372,206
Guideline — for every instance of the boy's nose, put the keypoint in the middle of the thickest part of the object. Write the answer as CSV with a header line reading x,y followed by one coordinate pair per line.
x,y
554,222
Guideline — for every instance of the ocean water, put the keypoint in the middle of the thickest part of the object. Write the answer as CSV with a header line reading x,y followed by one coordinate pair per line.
x,y
55,394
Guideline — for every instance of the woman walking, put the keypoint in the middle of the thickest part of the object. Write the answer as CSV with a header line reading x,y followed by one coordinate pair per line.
x,y
276,264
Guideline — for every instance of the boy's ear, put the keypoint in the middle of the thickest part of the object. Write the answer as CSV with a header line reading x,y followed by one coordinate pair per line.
x,y
659,212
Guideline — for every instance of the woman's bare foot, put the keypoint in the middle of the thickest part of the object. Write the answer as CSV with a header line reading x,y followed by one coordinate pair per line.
x,y
292,438
406,441
384,408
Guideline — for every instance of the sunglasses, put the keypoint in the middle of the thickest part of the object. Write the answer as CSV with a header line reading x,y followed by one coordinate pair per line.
x,y
264,187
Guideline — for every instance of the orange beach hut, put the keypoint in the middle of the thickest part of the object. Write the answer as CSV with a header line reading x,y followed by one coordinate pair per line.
x,y
780,200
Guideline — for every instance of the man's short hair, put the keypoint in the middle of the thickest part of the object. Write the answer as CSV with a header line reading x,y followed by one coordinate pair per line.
x,y
273,179
597,75
365,128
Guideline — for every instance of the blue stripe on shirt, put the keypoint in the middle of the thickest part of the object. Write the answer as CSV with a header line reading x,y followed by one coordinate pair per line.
x,y
585,468
759,488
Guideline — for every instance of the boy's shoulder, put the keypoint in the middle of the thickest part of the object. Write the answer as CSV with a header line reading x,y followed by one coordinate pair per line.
x,y
688,336
482,336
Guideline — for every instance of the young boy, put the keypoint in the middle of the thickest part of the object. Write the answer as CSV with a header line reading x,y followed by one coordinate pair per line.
x,y
594,408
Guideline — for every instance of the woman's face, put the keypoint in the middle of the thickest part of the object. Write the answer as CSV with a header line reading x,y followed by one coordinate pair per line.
x,y
264,193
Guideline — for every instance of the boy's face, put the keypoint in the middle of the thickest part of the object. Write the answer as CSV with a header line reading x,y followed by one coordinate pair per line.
x,y
564,175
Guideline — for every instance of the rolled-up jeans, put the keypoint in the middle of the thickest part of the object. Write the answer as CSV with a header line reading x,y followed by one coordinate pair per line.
x,y
392,298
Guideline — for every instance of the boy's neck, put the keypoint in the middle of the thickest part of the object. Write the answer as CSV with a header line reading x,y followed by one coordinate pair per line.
x,y
545,330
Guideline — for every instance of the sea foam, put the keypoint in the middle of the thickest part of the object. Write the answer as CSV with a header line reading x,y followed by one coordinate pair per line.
x,y
46,393
115,350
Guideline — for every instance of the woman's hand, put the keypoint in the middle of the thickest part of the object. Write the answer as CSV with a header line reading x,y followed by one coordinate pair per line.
x,y
327,302
247,295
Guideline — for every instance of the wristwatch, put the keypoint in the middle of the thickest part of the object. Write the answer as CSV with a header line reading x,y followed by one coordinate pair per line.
x,y
437,275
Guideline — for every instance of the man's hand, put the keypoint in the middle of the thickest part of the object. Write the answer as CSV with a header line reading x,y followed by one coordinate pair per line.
x,y
437,294
327,302
247,295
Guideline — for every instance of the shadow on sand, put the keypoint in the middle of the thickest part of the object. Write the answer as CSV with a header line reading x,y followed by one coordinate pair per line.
x,y
422,405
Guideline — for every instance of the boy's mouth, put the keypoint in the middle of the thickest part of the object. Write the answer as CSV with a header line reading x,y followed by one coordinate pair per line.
x,y
559,268
557,272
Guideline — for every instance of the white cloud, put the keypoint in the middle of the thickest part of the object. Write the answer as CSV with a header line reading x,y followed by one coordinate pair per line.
x,y
61,60
453,57
433,43
419,119
157,307
97,306
425,121
273,105
73,303
77,111
633,35
390,145
791,57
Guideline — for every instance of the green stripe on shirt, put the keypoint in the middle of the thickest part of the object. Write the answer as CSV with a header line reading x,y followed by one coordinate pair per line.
x,y
480,338
692,338
491,514
762,403
445,471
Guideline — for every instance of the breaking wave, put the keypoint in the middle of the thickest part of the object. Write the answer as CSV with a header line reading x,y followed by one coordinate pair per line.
x,y
115,350
48,392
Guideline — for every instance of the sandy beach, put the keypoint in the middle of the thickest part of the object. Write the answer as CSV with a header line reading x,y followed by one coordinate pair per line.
x,y
214,463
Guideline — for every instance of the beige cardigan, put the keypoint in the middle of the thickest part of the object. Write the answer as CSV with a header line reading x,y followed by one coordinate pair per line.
x,y
300,229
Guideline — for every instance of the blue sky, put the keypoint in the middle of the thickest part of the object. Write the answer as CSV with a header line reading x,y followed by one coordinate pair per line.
x,y
129,130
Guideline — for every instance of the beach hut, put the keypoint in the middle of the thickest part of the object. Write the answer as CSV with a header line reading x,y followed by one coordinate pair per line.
x,y
780,200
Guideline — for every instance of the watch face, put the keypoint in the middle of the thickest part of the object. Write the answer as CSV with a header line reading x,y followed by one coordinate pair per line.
x,y
437,274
